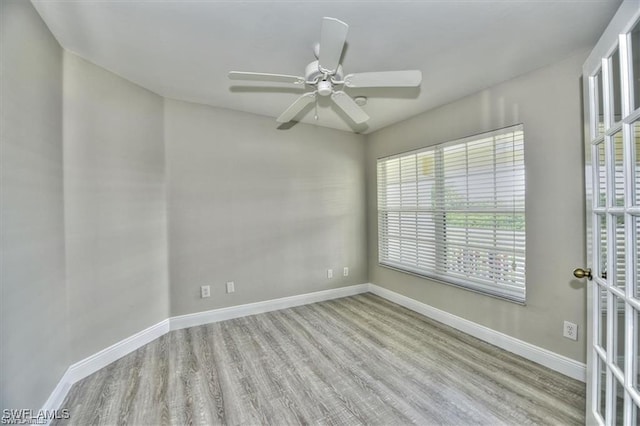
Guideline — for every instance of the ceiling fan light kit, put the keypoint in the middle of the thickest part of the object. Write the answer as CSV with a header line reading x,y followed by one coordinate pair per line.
x,y
325,88
325,75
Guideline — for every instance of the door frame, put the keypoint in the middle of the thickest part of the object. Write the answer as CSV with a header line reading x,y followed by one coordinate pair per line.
x,y
623,22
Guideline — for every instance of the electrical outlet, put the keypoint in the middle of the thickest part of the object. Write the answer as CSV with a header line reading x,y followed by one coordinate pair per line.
x,y
570,330
345,271
205,291
231,287
329,273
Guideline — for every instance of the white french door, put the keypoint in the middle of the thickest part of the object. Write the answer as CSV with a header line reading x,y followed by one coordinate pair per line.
x,y
611,79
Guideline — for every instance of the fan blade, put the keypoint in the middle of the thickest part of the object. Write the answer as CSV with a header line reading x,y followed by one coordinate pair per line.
x,y
332,39
349,106
411,78
296,107
261,76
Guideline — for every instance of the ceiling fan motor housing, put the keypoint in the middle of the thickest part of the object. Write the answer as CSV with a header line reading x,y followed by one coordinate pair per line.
x,y
312,72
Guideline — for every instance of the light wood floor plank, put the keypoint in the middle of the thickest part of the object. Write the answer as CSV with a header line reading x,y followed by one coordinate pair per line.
x,y
357,360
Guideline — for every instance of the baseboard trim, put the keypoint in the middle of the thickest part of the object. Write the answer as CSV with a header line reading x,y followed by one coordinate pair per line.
x,y
116,351
95,362
552,360
223,314
58,395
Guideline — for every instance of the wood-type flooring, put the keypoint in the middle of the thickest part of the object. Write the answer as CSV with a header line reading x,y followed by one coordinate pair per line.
x,y
356,360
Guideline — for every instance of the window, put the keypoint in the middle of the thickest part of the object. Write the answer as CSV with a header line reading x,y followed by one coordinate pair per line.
x,y
455,212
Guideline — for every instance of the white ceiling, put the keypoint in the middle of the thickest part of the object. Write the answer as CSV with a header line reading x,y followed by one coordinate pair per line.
x,y
184,49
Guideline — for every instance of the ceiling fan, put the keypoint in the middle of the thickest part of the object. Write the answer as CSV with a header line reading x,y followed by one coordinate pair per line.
x,y
326,77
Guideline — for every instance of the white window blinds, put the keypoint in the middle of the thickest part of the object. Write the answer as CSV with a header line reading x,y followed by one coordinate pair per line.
x,y
455,212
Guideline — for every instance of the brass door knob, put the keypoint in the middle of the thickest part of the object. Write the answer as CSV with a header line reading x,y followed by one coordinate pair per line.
x,y
581,273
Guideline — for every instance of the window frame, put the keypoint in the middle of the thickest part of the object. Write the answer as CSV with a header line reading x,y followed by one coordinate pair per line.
x,y
440,271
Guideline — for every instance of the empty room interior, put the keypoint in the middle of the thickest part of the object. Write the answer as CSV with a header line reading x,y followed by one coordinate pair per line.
x,y
294,212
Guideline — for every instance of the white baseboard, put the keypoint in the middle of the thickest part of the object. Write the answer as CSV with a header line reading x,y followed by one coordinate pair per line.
x,y
95,362
58,395
101,359
116,351
552,360
222,314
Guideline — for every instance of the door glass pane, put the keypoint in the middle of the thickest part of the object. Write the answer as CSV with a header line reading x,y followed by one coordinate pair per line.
x,y
618,327
635,64
615,87
601,388
636,161
598,105
636,350
601,232
636,236
618,165
602,317
620,278
618,402
601,174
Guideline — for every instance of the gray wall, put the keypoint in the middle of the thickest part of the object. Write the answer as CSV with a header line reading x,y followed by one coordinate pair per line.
x,y
34,339
115,207
269,209
548,103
